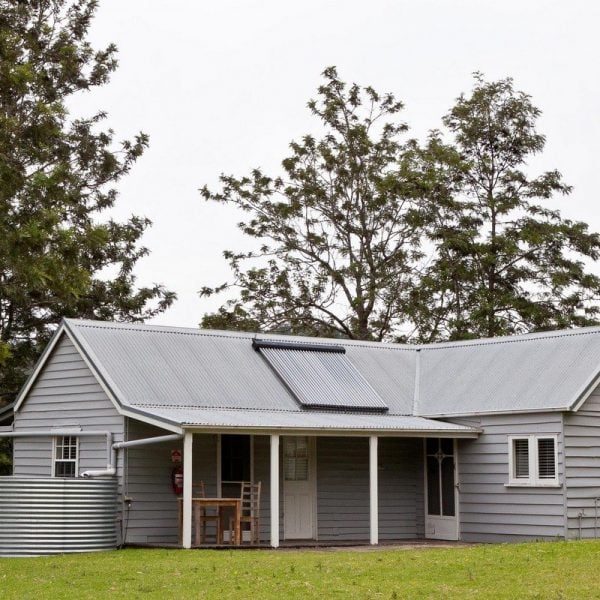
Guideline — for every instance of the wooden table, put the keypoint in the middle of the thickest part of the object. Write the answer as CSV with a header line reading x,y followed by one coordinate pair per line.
x,y
199,503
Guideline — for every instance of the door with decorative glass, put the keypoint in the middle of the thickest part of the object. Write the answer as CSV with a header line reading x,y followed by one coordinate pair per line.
x,y
298,488
441,514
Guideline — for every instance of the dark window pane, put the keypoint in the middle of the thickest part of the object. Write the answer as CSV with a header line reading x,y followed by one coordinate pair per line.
x,y
546,462
433,445
235,458
448,487
447,446
65,469
521,458
433,486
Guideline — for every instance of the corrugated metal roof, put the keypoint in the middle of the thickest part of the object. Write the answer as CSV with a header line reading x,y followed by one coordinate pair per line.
x,y
322,378
164,366
312,420
177,366
522,373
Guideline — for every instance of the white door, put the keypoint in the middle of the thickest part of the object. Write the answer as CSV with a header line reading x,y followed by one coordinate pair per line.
x,y
298,488
441,514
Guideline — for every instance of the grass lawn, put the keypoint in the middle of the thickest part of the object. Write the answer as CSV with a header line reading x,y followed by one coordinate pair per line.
x,y
539,570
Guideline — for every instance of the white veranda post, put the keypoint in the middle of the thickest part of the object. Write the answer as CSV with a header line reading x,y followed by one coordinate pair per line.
x,y
187,489
274,491
373,491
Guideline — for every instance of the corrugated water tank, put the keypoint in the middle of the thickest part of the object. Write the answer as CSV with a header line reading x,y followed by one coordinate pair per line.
x,y
57,515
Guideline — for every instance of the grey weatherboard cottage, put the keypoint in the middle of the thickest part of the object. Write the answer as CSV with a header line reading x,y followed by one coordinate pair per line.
x,y
488,440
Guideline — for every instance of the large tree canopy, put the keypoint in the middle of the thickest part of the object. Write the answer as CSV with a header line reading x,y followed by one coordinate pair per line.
x,y
504,262
368,237
57,258
338,231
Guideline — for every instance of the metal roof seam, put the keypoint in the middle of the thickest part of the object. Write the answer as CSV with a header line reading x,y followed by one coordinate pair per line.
x,y
417,381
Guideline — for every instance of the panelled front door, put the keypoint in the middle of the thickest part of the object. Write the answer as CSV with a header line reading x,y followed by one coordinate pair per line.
x,y
441,520
298,488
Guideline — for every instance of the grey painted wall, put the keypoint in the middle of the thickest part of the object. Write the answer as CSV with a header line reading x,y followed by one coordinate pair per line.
x,y
66,394
492,512
343,488
153,516
582,459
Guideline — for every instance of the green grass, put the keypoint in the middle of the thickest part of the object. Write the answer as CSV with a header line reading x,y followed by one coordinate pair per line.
x,y
540,570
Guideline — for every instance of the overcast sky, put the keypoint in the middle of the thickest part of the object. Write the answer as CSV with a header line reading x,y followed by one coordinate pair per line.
x,y
222,86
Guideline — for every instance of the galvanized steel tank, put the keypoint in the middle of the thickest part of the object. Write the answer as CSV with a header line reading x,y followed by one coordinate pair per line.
x,y
56,515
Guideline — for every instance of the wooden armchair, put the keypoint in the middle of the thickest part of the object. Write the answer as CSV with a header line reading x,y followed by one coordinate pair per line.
x,y
250,511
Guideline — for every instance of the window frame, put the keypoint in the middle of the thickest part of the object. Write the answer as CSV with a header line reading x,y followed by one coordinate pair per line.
x,y
534,479
55,460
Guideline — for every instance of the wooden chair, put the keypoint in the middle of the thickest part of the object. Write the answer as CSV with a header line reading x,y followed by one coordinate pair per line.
x,y
250,511
203,518
199,516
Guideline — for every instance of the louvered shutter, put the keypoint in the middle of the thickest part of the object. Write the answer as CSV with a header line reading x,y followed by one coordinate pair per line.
x,y
546,458
521,458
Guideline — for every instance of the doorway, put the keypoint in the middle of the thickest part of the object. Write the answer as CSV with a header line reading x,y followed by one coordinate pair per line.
x,y
235,464
441,514
299,493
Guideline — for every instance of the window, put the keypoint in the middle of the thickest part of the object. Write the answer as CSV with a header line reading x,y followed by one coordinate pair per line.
x,y
66,456
533,460
296,458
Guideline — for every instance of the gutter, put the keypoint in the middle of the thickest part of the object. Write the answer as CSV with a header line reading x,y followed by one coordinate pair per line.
x,y
111,449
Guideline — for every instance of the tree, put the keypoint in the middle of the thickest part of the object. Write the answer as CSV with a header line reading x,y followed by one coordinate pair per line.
x,y
338,231
57,176
504,262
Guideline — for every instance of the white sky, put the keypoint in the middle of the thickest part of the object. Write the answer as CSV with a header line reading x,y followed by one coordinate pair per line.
x,y
222,86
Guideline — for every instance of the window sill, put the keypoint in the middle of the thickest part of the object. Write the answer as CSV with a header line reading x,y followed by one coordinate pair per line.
x,y
533,485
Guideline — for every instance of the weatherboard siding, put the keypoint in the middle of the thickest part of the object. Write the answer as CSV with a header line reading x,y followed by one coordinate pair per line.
x,y
400,488
489,510
65,395
343,488
582,459
153,516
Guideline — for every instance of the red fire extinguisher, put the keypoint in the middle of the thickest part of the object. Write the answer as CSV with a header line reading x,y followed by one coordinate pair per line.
x,y
177,480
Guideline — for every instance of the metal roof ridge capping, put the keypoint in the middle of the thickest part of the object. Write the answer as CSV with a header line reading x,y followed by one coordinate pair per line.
x,y
320,376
